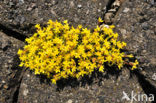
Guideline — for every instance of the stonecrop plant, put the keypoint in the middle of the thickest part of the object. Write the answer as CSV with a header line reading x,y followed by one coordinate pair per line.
x,y
61,51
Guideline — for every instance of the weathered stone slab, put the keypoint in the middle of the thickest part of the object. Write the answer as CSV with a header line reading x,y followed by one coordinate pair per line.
x,y
8,51
133,27
34,90
21,15
136,23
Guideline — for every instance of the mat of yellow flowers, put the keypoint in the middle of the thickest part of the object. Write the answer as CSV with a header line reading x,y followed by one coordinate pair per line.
x,y
61,51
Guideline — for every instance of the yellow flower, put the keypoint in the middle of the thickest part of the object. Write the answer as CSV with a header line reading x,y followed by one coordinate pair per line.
x,y
97,29
85,31
136,62
115,35
100,20
124,44
98,54
19,52
79,26
37,26
107,44
101,69
65,21
21,64
112,26
53,81
109,58
135,65
119,45
130,56
119,66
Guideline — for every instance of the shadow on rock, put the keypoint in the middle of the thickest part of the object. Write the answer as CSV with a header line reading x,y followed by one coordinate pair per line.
x,y
147,87
15,81
95,77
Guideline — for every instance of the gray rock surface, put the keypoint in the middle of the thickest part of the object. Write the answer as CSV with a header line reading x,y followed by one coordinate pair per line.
x,y
34,90
136,23
21,17
8,51
140,38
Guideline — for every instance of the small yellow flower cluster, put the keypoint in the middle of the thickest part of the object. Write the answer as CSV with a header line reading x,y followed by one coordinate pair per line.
x,y
60,51
134,65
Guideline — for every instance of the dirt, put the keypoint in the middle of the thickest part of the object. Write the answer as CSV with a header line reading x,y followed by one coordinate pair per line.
x,y
135,22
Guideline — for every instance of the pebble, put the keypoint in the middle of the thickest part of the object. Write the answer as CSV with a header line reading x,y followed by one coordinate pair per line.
x,y
140,68
3,45
36,11
108,17
29,9
113,81
6,66
99,10
5,86
3,81
71,4
144,51
25,92
35,101
123,31
145,26
87,12
28,75
152,2
10,60
116,3
76,19
126,10
54,2
79,6
33,5
112,10
132,28
22,20
69,101
21,1
11,4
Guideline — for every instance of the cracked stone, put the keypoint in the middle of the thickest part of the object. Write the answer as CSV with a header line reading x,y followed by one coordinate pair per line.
x,y
108,18
6,63
141,38
40,11
34,89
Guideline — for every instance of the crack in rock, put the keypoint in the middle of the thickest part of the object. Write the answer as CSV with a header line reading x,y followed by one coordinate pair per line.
x,y
111,11
12,33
